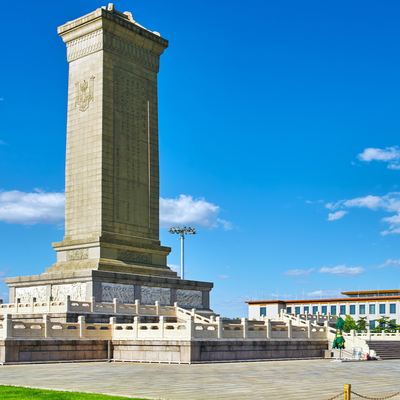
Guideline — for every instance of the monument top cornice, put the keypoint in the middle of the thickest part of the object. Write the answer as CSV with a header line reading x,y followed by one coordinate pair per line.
x,y
115,22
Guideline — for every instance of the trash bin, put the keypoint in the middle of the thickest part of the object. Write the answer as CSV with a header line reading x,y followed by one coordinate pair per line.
x,y
357,353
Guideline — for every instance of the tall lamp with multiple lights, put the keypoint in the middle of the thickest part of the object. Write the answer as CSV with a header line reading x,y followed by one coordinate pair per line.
x,y
182,232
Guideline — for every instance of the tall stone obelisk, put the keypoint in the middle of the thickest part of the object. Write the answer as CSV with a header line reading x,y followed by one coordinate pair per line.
x,y
112,168
111,247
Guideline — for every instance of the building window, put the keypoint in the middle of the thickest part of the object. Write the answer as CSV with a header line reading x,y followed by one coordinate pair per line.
x,y
289,310
333,310
342,309
297,310
263,311
315,309
352,309
372,309
372,324
306,310
324,310
393,309
362,308
382,308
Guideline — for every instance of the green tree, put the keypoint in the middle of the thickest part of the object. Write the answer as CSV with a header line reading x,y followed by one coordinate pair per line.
x,y
362,324
349,324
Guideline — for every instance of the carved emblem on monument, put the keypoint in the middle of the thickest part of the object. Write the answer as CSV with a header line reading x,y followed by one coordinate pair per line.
x,y
84,94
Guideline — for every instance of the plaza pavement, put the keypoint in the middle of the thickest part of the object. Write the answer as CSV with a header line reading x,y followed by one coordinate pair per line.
x,y
313,379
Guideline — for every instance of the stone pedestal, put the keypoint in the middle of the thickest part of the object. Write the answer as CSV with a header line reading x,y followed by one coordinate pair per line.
x,y
111,247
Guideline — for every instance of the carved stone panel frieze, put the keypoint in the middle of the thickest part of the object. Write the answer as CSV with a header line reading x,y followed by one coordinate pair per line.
x,y
77,291
123,293
78,254
189,298
85,45
25,294
152,294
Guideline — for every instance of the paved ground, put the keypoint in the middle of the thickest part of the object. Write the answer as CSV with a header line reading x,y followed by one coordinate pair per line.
x,y
319,379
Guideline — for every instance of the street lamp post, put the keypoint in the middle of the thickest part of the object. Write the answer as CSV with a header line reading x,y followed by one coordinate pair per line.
x,y
182,232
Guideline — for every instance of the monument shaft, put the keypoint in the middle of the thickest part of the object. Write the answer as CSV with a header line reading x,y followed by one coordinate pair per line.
x,y
112,168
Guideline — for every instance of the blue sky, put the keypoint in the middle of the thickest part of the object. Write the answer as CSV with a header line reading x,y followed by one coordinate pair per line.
x,y
279,125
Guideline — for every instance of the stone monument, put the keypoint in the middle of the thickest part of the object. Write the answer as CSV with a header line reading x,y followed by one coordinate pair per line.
x,y
111,247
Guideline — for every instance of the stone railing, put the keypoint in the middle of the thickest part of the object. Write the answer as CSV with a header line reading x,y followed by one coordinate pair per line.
x,y
189,328
68,305
316,319
352,339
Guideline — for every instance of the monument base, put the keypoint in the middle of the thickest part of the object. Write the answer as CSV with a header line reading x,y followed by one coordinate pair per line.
x,y
105,286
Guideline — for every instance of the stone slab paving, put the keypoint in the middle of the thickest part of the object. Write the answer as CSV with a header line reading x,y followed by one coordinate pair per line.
x,y
316,379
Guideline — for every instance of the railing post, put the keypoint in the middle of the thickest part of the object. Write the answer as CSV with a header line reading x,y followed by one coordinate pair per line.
x,y
161,326
47,326
212,319
190,325
267,322
281,314
49,300
68,302
115,305
245,325
347,392
289,329
82,326
352,333
220,328
33,301
193,312
298,320
113,321
137,306
7,326
176,308
136,321
157,303
368,333
93,304
309,333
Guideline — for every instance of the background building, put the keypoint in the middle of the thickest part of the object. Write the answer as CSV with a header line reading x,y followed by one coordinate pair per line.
x,y
372,304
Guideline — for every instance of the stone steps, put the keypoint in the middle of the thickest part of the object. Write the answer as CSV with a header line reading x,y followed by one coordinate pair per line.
x,y
386,350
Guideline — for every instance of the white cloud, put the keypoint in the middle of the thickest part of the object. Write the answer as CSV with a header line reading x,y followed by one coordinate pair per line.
x,y
309,202
31,208
342,270
387,154
176,268
390,263
388,203
184,210
48,208
228,226
223,276
369,201
294,273
336,215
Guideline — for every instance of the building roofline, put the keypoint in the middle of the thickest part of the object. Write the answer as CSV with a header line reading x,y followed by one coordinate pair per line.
x,y
342,300
372,291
